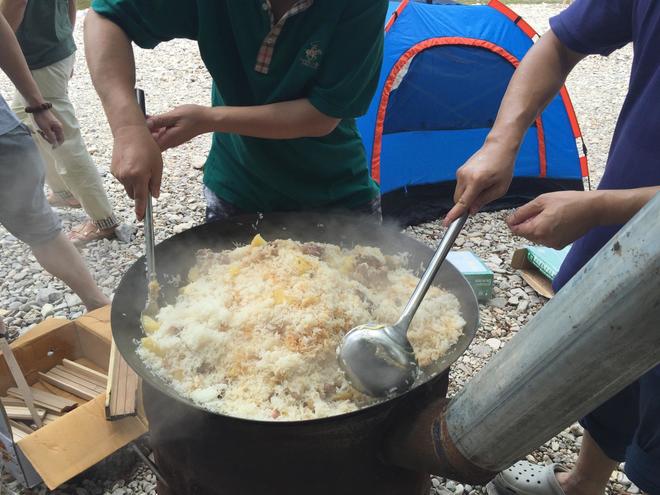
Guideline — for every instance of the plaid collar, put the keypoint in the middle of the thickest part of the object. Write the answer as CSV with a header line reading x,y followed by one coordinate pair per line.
x,y
267,49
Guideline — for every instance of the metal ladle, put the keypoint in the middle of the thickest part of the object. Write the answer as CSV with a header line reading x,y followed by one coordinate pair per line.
x,y
378,360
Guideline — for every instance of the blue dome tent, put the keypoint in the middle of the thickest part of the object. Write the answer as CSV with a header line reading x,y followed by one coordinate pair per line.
x,y
445,70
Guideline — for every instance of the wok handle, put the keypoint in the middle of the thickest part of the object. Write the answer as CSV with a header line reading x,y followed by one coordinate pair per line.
x,y
419,441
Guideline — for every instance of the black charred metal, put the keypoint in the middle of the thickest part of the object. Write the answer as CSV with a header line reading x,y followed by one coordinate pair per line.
x,y
199,453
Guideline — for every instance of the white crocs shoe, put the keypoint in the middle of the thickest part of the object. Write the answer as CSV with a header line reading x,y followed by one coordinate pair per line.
x,y
525,478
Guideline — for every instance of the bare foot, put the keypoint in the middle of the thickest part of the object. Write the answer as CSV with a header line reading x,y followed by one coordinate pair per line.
x,y
572,484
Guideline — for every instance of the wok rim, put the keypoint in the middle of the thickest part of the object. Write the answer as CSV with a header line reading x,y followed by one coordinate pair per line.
x,y
158,384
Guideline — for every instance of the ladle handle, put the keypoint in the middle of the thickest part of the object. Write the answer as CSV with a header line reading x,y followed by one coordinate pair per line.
x,y
427,278
149,241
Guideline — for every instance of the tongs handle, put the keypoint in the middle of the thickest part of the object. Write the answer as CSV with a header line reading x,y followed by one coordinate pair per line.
x,y
149,240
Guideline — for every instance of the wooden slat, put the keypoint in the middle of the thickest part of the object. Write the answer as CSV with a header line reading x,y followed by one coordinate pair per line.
x,y
68,386
50,417
59,392
67,375
84,371
46,400
17,434
12,401
22,413
17,374
21,426
121,393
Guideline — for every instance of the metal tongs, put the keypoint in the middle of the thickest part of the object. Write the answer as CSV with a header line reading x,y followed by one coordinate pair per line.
x,y
153,289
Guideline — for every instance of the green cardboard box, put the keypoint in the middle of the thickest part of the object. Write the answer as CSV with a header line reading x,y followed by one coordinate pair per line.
x,y
539,266
475,271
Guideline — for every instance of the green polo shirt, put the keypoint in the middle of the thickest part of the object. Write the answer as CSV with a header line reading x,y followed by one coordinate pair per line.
x,y
46,34
331,54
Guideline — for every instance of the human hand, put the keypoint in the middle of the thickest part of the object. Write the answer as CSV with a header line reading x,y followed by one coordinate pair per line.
x,y
49,127
557,219
180,125
137,163
485,177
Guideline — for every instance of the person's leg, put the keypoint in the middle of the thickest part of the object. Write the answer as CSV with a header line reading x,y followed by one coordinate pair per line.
x,y
643,456
609,430
72,161
53,179
61,259
591,472
25,213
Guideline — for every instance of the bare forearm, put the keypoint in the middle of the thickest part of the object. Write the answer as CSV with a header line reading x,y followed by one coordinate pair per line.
x,y
14,11
616,207
112,67
537,80
14,65
72,12
285,120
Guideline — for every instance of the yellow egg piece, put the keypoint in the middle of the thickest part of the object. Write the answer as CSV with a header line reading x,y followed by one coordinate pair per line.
x,y
258,241
149,325
150,344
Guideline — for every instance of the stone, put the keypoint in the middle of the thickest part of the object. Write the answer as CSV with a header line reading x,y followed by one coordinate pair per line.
x,y
481,350
125,232
494,344
498,302
72,300
48,295
47,310
182,227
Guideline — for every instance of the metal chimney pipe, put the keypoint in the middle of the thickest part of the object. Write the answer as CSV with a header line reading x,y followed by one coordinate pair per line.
x,y
599,334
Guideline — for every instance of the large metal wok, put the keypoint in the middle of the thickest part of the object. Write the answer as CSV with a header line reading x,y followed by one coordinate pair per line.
x,y
203,451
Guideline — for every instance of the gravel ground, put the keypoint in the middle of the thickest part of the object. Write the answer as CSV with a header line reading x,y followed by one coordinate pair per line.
x,y
173,74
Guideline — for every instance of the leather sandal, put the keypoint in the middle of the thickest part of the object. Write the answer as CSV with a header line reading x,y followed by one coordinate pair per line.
x,y
58,201
525,478
89,232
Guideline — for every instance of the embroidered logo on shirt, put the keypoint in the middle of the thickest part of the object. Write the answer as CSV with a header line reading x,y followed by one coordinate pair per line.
x,y
312,57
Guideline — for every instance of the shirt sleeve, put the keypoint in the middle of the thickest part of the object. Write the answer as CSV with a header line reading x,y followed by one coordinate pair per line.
x,y
350,70
595,26
149,22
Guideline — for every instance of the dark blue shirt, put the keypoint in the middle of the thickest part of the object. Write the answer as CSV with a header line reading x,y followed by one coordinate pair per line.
x,y
600,27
